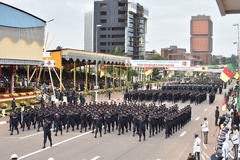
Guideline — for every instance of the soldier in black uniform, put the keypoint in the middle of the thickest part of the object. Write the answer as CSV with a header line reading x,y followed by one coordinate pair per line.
x,y
166,123
98,125
40,119
107,122
142,129
26,120
14,122
47,133
58,122
151,121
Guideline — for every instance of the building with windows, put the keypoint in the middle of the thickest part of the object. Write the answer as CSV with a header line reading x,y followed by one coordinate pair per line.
x,y
173,53
201,31
117,23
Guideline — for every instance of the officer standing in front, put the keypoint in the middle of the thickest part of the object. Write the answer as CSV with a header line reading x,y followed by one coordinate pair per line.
x,y
235,141
205,130
197,146
47,133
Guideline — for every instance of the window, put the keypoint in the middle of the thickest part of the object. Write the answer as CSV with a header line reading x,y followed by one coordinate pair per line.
x,y
118,28
118,36
121,21
103,5
103,21
103,13
103,28
118,43
121,12
102,51
103,43
103,36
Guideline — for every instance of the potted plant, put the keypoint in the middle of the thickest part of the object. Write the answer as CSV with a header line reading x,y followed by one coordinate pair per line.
x,y
4,107
32,101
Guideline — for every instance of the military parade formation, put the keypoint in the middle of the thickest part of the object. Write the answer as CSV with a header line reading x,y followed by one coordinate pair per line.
x,y
142,112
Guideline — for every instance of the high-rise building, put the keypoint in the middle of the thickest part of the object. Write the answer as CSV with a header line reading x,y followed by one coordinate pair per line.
x,y
201,32
118,23
88,32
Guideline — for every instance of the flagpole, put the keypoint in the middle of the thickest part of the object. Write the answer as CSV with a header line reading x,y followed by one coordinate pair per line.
x,y
96,83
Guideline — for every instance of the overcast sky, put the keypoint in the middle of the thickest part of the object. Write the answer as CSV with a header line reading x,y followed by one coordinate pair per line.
x,y
168,22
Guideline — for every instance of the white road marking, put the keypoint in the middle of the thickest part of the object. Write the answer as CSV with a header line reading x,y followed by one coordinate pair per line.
x,y
197,118
158,159
202,156
30,135
3,122
95,158
183,134
41,150
204,146
205,155
205,109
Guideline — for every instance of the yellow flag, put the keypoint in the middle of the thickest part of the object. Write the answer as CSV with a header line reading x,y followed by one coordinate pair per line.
x,y
236,76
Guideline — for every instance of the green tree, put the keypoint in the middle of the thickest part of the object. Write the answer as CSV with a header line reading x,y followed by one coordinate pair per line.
x,y
117,51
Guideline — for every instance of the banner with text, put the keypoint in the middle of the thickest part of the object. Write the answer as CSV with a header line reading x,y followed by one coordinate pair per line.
x,y
157,63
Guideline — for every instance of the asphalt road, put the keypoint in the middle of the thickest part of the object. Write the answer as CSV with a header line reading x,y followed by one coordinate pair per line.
x,y
83,146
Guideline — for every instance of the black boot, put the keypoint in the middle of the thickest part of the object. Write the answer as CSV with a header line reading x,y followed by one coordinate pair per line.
x,y
50,144
44,146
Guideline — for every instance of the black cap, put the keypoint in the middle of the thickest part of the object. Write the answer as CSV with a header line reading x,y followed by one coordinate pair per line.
x,y
196,134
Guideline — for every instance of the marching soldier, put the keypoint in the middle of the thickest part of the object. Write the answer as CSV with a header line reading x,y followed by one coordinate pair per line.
x,y
98,125
47,133
142,129
14,122
58,122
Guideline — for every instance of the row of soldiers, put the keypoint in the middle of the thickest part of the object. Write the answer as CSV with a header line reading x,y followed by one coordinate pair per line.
x,y
123,117
173,96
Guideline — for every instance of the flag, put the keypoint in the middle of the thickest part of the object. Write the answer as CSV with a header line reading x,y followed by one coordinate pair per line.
x,y
227,73
236,76
224,104
231,68
102,67
169,74
148,71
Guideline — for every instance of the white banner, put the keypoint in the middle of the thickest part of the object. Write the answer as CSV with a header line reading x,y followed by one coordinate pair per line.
x,y
157,63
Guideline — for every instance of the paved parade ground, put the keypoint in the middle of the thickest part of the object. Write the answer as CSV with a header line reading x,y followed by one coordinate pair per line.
x,y
111,146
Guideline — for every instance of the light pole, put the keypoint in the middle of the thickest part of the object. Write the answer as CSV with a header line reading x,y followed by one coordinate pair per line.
x,y
96,75
238,51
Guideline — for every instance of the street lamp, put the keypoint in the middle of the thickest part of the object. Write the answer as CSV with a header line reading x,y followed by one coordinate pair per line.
x,y
238,51
96,75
